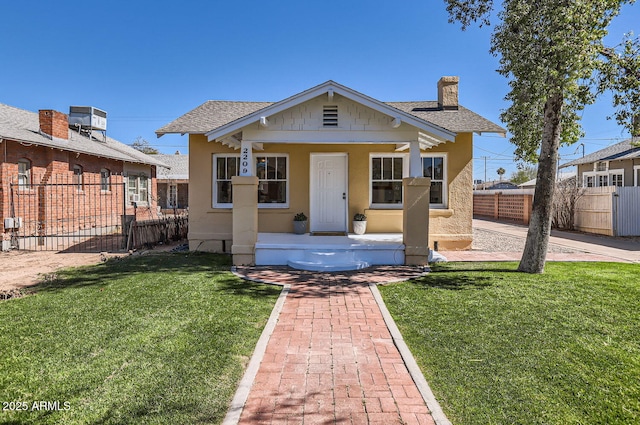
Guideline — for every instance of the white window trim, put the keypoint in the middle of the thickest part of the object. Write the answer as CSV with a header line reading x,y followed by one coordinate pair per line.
x,y
405,173
596,174
636,170
445,185
108,181
27,174
214,179
141,202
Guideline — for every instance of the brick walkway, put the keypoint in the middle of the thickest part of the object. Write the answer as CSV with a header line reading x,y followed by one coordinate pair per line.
x,y
331,358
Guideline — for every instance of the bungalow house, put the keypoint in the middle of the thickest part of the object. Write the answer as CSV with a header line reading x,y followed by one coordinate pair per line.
x,y
60,175
615,165
173,182
331,152
610,194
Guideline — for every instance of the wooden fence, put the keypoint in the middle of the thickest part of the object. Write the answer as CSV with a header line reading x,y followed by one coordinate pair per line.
x,y
152,232
610,210
510,205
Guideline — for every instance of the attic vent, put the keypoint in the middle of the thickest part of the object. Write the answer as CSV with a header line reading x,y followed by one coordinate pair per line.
x,y
330,116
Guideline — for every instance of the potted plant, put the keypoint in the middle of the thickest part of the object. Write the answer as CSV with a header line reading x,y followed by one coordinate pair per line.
x,y
359,224
300,224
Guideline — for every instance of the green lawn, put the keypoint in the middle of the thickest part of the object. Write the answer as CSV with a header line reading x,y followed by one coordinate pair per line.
x,y
151,339
500,347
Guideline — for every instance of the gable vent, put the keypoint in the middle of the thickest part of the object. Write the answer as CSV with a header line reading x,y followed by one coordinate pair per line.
x,y
330,116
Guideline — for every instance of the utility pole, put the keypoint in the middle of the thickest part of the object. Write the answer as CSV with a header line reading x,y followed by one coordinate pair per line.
x,y
484,186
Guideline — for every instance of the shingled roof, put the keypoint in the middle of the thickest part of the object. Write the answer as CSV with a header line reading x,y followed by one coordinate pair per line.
x,y
619,151
23,126
214,114
179,167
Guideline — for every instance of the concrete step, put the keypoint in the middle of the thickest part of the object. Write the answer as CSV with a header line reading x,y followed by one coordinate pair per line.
x,y
329,261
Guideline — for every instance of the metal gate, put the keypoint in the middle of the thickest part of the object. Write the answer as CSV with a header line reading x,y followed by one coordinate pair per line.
x,y
626,204
68,214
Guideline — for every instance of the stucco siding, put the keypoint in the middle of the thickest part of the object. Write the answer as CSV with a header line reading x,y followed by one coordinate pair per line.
x,y
209,226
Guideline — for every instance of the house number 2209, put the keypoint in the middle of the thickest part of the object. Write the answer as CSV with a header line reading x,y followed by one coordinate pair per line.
x,y
244,162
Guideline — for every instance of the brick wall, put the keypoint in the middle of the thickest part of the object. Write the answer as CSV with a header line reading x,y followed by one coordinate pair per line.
x,y
56,201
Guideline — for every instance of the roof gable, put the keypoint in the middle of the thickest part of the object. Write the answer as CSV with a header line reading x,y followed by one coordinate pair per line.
x,y
330,89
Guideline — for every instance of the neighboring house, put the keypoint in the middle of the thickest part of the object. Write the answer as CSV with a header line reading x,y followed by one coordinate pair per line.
x,y
503,186
610,200
561,178
616,165
59,174
173,182
331,152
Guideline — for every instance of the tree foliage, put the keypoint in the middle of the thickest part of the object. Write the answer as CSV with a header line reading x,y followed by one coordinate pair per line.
x,y
143,146
552,53
524,174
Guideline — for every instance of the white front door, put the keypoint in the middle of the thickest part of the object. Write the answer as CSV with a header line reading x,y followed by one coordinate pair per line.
x,y
328,193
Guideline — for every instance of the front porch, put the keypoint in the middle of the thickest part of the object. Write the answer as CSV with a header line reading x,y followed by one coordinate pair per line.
x,y
329,253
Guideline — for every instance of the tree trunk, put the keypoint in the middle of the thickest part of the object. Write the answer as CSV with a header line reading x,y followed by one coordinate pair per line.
x,y
535,249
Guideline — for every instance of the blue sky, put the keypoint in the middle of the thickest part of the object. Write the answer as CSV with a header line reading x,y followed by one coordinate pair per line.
x,y
148,62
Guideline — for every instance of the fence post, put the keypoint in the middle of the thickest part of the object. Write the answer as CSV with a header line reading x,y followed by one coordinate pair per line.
x,y
496,205
526,209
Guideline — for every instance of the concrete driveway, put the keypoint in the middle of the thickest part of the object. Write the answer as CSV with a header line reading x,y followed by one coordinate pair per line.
x,y
585,247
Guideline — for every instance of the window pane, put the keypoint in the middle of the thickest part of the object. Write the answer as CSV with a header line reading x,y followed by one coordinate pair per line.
x,y
387,168
282,167
272,192
386,192
376,168
261,167
438,168
427,167
436,193
224,192
271,168
397,168
232,167
220,168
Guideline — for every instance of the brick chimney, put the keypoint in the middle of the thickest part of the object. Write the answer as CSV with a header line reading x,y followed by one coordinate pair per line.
x,y
54,123
448,93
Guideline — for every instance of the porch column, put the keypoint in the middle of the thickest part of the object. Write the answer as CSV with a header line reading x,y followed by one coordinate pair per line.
x,y
415,161
245,219
415,220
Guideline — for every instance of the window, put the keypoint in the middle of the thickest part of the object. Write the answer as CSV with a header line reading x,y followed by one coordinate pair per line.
x,y
603,178
273,175
636,175
24,174
138,188
172,196
226,166
617,179
105,180
386,180
272,179
77,177
434,167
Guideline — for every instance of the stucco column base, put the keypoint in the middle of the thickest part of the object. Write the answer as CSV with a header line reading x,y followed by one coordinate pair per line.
x,y
245,220
415,220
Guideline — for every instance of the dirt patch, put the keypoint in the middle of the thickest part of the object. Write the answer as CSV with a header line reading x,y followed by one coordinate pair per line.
x,y
21,269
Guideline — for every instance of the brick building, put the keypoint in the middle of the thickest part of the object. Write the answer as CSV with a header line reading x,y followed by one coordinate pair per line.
x,y
59,177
